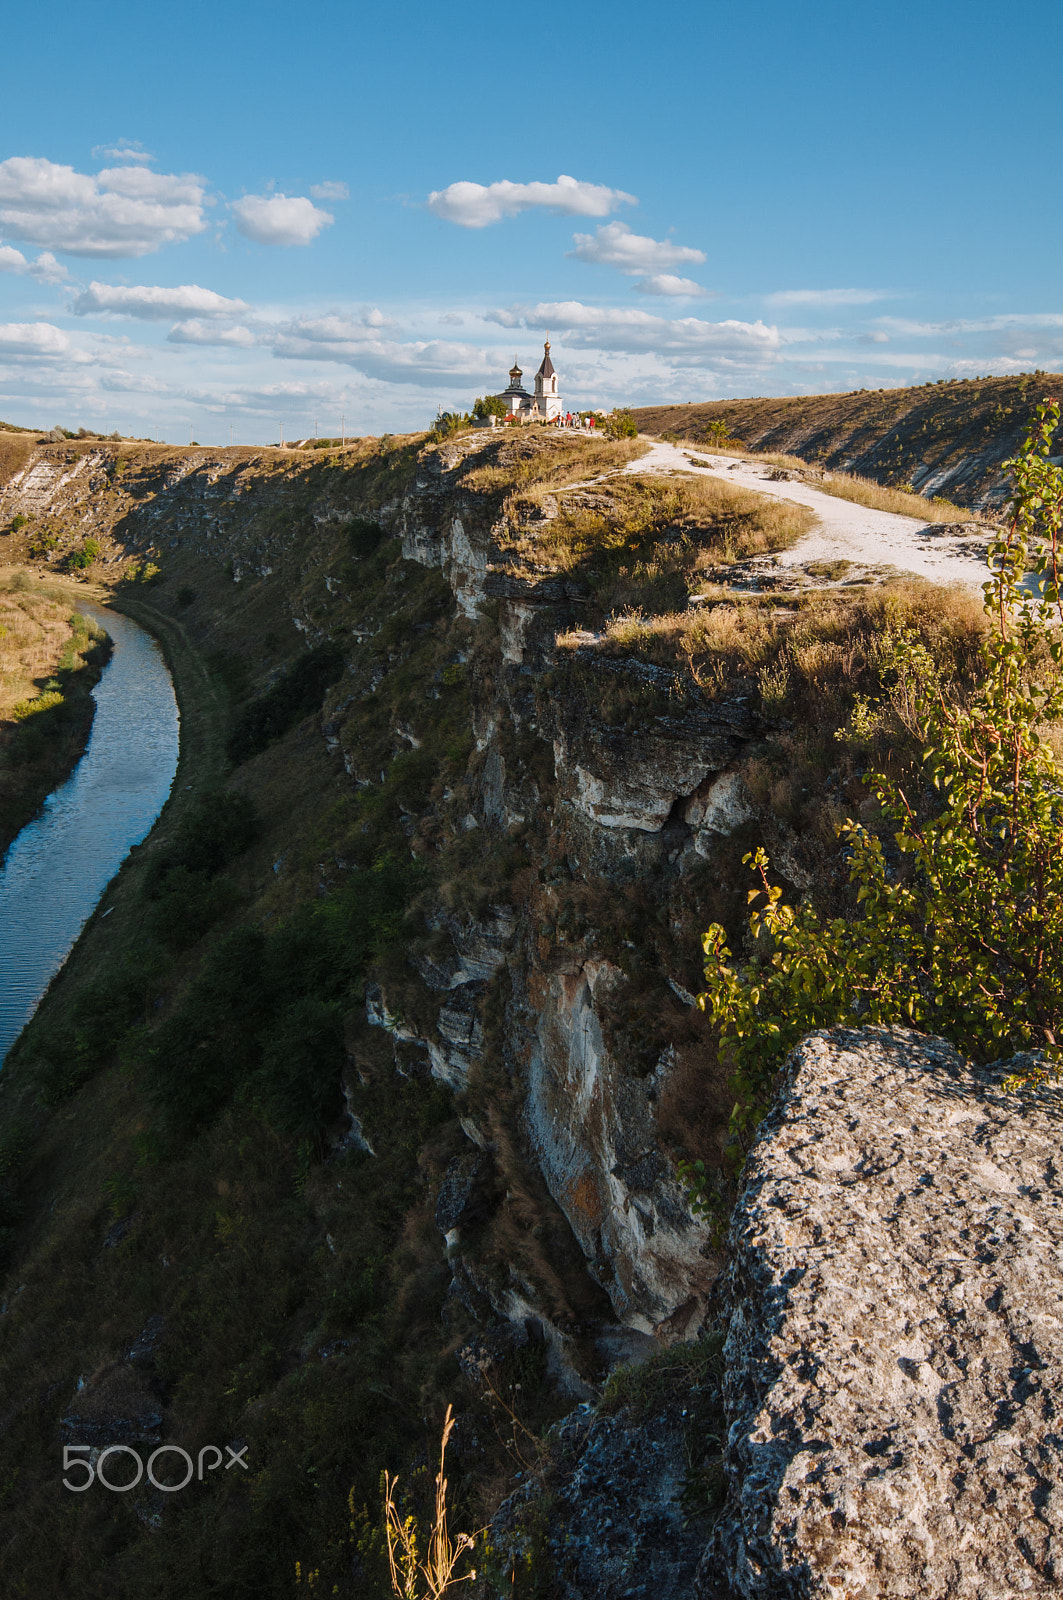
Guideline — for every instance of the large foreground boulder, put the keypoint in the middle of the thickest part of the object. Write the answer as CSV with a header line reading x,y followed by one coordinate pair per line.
x,y
894,1388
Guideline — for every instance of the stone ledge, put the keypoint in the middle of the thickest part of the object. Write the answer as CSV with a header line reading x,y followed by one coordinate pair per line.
x,y
893,1355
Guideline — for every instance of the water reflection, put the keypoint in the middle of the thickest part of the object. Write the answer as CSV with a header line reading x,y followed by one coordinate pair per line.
x,y
60,864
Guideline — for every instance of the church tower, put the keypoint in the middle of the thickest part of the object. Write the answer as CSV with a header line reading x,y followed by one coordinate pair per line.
x,y
516,396
545,404
547,399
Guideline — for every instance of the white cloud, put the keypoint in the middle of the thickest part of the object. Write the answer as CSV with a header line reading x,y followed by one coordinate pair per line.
x,y
614,245
124,150
32,339
475,205
668,283
452,319
682,340
119,382
151,302
122,211
45,269
958,325
194,331
328,331
280,218
330,191
360,344
825,297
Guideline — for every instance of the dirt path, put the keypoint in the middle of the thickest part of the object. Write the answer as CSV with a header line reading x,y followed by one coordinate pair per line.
x,y
846,531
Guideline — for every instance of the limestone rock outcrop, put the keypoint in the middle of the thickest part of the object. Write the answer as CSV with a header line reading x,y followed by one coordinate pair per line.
x,y
592,1128
894,1356
618,1528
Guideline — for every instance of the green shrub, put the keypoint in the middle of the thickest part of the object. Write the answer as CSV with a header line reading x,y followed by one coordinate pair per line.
x,y
14,1139
220,827
263,1019
446,424
364,537
299,1079
187,903
141,572
206,1049
297,693
78,560
486,406
717,432
620,425
185,597
47,700
187,895
966,940
102,1018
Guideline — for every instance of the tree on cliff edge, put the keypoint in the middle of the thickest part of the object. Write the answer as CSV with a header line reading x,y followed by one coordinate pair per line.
x,y
967,941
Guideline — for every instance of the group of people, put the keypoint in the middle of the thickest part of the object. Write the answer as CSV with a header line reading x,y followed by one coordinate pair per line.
x,y
572,419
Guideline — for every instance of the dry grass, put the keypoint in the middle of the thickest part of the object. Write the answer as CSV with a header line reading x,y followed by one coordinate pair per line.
x,y
887,435
820,648
546,459
717,521
47,669
642,544
34,635
832,675
863,492
439,1567
15,450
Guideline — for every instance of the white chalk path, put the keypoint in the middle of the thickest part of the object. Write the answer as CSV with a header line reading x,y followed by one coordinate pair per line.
x,y
846,531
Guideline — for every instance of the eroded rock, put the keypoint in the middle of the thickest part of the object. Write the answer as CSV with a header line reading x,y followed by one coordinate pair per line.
x,y
894,1348
593,1132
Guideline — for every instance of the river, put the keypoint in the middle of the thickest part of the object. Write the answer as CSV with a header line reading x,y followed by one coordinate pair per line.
x,y
61,863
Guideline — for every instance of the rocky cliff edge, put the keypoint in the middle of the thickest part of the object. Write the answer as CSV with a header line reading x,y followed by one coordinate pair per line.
x,y
894,1324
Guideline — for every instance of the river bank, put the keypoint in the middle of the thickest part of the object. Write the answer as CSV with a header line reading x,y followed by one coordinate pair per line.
x,y
113,931
63,860
50,662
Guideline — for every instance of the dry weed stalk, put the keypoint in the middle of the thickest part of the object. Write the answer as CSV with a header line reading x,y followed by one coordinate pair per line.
x,y
530,1460
437,1570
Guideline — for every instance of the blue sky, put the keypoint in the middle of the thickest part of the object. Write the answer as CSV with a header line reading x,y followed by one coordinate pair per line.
x,y
254,217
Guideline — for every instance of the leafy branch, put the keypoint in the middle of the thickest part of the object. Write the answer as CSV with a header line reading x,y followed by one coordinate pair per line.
x,y
964,935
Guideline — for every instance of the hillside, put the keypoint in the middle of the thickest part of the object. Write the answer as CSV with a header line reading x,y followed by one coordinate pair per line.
x,y
364,1091
946,438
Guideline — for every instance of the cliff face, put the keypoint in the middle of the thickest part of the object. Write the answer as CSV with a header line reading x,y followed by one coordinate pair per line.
x,y
504,1087
614,811
511,1081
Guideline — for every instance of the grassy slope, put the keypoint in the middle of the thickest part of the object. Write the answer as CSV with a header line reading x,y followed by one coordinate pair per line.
x,y
242,1278
229,1243
15,451
893,436
42,653
303,1300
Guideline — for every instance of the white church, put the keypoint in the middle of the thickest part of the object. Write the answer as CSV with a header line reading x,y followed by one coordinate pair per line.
x,y
542,406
